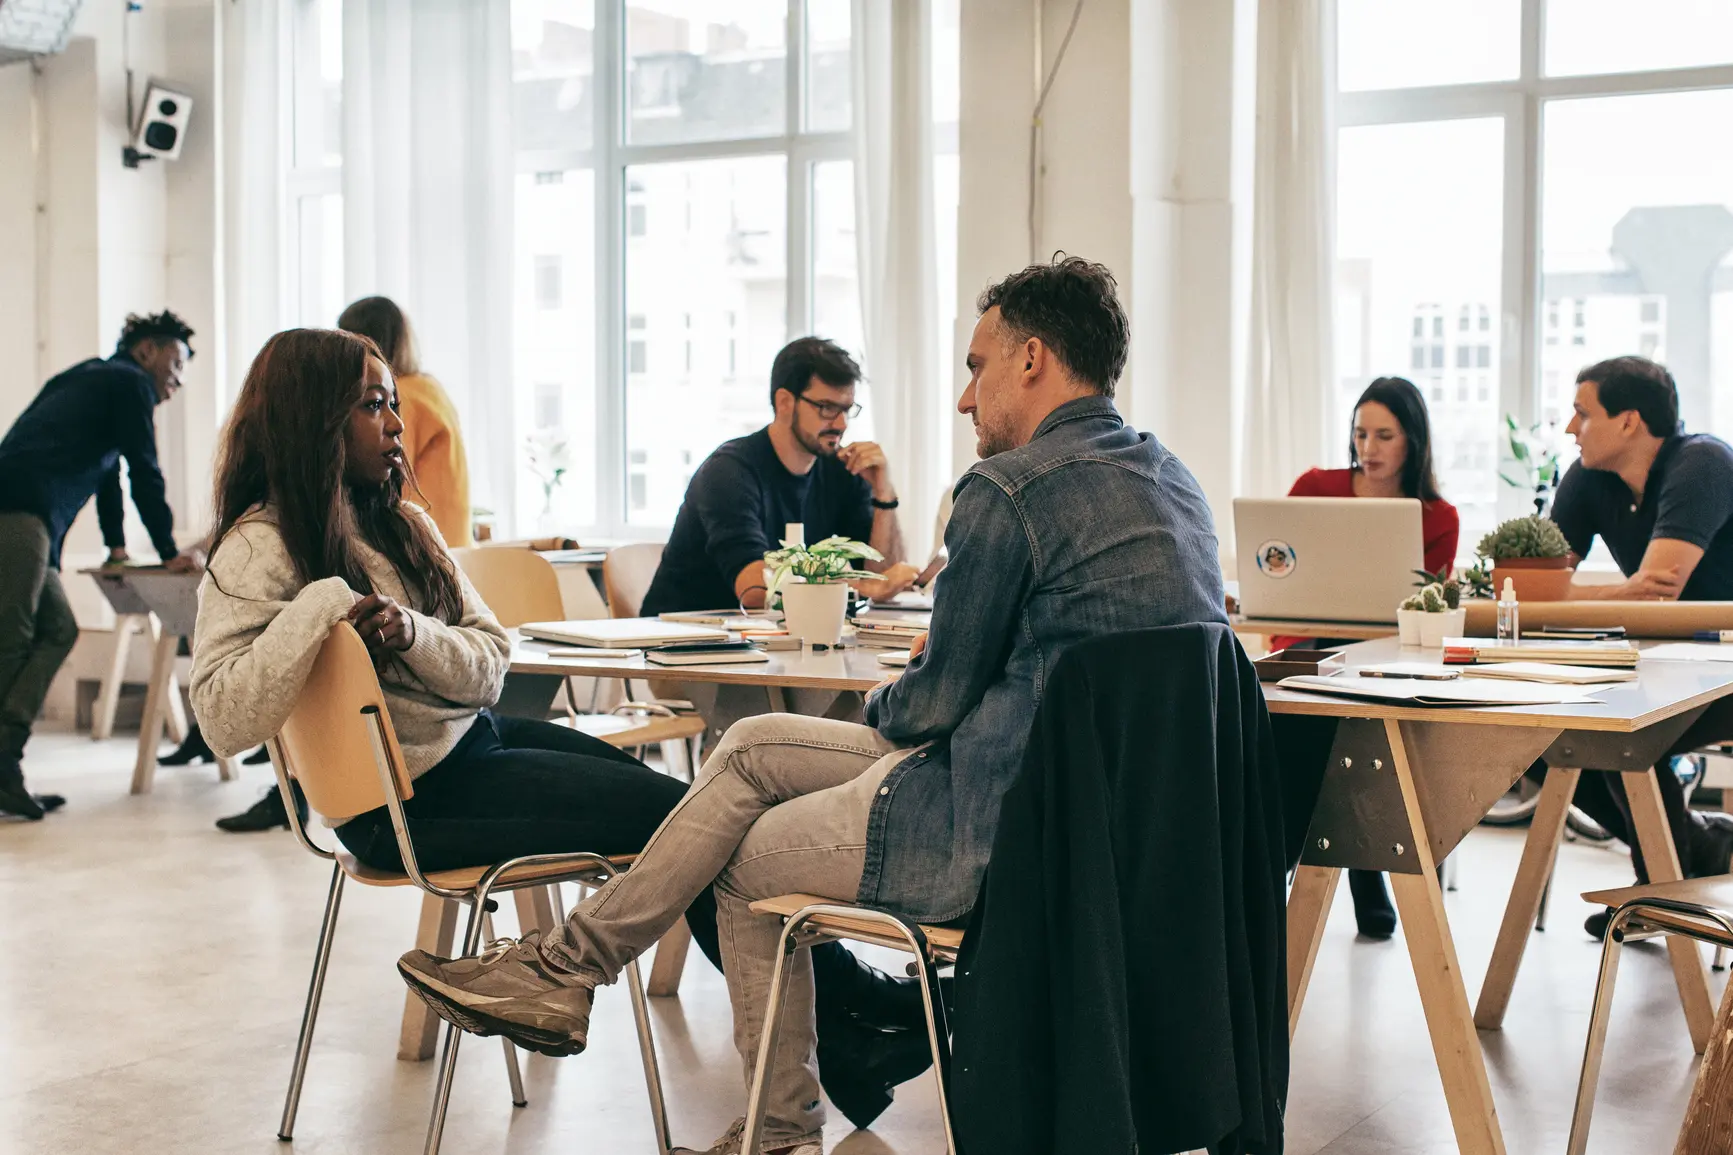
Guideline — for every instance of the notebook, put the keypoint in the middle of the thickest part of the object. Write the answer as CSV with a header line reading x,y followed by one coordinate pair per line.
x,y
621,633
705,654
1608,653
1461,692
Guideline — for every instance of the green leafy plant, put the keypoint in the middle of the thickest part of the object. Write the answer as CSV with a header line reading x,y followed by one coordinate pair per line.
x,y
1535,454
1523,537
1478,579
823,562
549,457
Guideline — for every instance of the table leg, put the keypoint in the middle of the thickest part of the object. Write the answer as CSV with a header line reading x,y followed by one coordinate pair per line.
x,y
1309,903
155,707
535,909
1432,950
1659,855
670,961
436,933
1538,854
108,699
1708,1125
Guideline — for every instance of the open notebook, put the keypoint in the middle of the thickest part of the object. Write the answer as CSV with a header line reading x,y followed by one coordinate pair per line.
x,y
621,633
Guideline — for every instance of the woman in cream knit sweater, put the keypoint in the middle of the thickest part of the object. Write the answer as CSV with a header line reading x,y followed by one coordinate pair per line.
x,y
312,529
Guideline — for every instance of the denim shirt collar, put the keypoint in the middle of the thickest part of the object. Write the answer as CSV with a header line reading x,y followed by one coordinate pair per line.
x,y
1077,409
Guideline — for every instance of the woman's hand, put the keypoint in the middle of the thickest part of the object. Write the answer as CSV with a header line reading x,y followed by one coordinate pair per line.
x,y
382,622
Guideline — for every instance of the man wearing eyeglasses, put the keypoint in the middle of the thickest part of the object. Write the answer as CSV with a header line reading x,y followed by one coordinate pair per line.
x,y
796,469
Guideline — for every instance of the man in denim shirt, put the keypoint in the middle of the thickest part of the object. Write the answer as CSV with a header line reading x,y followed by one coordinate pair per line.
x,y
1072,526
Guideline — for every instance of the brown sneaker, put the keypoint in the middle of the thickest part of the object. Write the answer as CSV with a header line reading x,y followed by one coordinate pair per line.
x,y
508,989
729,1144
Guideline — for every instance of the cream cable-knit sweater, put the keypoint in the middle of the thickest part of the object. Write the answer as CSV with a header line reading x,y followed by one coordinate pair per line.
x,y
259,630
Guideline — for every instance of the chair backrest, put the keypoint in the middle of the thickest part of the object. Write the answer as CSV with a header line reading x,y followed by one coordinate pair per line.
x,y
326,741
518,585
626,574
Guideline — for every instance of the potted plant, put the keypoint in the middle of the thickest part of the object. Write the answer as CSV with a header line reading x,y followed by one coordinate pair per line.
x,y
1533,553
815,603
1535,454
1431,615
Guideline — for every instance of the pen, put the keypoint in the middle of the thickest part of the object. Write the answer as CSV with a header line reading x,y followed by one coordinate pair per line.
x,y
1713,635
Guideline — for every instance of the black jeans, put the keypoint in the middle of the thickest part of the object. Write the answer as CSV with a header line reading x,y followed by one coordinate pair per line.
x,y
512,786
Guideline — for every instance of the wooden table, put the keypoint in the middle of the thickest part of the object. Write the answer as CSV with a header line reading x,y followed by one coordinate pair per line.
x,y
168,603
1281,628
1404,785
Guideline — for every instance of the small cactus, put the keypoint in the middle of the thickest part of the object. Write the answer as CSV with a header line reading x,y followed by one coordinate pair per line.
x,y
1414,602
1452,590
1433,597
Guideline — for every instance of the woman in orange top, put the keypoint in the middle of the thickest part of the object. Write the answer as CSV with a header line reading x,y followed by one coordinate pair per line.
x,y
431,438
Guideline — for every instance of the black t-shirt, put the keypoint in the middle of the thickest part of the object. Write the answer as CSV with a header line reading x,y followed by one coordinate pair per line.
x,y
1689,497
736,508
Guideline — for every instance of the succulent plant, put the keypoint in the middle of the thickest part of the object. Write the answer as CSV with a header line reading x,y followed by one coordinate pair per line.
x,y
1524,537
1416,603
1433,599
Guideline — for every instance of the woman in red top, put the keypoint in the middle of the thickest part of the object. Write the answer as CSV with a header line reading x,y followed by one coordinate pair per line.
x,y
1390,451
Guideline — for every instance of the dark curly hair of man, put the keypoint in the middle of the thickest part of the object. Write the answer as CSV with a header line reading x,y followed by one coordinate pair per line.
x,y
163,326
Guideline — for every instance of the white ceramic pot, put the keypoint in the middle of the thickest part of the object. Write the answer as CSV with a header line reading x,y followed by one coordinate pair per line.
x,y
1434,628
814,613
1408,626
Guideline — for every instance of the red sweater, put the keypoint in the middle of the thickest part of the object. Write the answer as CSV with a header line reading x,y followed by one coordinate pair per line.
x,y
1439,524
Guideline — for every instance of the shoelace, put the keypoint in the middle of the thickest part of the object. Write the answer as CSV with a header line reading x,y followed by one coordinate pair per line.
x,y
500,947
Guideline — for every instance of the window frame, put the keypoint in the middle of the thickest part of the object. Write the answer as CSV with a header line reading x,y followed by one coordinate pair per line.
x,y
1520,103
611,158
303,181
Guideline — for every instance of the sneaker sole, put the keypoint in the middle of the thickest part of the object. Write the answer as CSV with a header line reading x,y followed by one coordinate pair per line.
x,y
481,1023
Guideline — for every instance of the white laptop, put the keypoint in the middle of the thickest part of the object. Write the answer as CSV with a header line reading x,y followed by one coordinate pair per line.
x,y
1329,559
621,633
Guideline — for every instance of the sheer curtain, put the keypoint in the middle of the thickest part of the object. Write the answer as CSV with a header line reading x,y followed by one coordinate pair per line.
x,y
1290,362
427,201
255,130
894,234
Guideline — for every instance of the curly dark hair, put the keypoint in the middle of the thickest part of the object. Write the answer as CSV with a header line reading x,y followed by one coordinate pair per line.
x,y
1072,306
163,326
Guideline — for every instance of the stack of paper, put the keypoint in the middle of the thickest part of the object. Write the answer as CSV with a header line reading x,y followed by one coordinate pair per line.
x,y
1461,692
1612,653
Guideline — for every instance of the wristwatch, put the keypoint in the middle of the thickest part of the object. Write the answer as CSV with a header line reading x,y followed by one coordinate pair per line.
x,y
891,504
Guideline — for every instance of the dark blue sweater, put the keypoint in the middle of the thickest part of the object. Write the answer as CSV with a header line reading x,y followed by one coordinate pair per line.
x,y
68,445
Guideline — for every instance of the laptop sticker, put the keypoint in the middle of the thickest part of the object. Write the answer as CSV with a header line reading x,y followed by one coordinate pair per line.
x,y
1276,559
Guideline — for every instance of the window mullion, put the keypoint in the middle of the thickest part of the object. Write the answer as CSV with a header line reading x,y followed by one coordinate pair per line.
x,y
799,182
610,183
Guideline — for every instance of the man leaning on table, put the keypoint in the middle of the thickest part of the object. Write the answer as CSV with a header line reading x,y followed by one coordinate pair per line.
x,y
1662,501
63,449
1073,526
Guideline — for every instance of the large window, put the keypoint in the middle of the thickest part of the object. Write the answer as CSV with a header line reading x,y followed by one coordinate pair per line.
x,y
1525,187
313,242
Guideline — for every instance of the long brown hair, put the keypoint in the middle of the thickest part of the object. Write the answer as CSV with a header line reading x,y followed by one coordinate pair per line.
x,y
380,319
286,445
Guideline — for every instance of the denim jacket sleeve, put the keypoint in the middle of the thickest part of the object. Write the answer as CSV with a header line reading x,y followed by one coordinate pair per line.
x,y
971,638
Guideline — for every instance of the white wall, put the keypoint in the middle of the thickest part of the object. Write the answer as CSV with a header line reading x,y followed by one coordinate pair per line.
x,y
18,269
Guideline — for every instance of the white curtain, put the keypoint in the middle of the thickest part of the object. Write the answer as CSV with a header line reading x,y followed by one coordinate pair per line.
x,y
1289,425
427,202
255,128
894,235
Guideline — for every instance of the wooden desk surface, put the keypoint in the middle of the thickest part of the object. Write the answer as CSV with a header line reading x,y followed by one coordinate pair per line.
x,y
131,589
1663,690
853,668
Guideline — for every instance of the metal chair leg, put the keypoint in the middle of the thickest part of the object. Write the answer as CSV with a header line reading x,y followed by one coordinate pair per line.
x,y
939,1039
1597,1042
512,1074
768,1032
448,1058
647,1052
310,1014
1720,963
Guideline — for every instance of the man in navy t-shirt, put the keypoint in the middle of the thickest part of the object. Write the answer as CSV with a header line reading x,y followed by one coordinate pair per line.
x,y
63,449
796,469
1662,500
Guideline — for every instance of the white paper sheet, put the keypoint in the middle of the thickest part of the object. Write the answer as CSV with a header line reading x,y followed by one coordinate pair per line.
x,y
1690,652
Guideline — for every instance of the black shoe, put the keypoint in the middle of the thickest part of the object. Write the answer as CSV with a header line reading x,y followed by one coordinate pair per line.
x,y
261,755
860,1067
849,987
14,798
1596,923
194,749
265,814
49,802
1373,913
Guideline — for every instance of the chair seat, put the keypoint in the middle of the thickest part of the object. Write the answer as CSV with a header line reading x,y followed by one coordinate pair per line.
x,y
623,731
945,941
1713,894
466,877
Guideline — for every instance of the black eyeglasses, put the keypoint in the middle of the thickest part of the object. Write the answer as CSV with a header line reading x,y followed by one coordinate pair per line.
x,y
830,410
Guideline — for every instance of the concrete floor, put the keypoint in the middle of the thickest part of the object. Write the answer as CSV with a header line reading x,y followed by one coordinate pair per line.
x,y
154,971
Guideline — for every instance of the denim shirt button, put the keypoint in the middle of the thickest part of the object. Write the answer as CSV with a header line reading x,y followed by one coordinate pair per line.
x,y
884,789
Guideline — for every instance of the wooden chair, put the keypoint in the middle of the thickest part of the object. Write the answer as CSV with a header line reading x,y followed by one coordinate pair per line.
x,y
1697,910
339,745
626,575
808,920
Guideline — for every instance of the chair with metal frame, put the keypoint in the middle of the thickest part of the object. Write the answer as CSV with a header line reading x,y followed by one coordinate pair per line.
x,y
339,745
808,920
1696,908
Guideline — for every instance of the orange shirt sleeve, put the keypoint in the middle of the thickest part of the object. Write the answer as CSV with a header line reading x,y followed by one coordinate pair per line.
x,y
434,445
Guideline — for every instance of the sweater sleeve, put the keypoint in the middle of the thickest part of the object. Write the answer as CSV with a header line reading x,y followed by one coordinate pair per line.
x,y
464,663
257,636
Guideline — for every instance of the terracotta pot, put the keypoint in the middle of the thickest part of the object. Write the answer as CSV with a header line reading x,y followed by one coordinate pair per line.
x,y
1536,579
